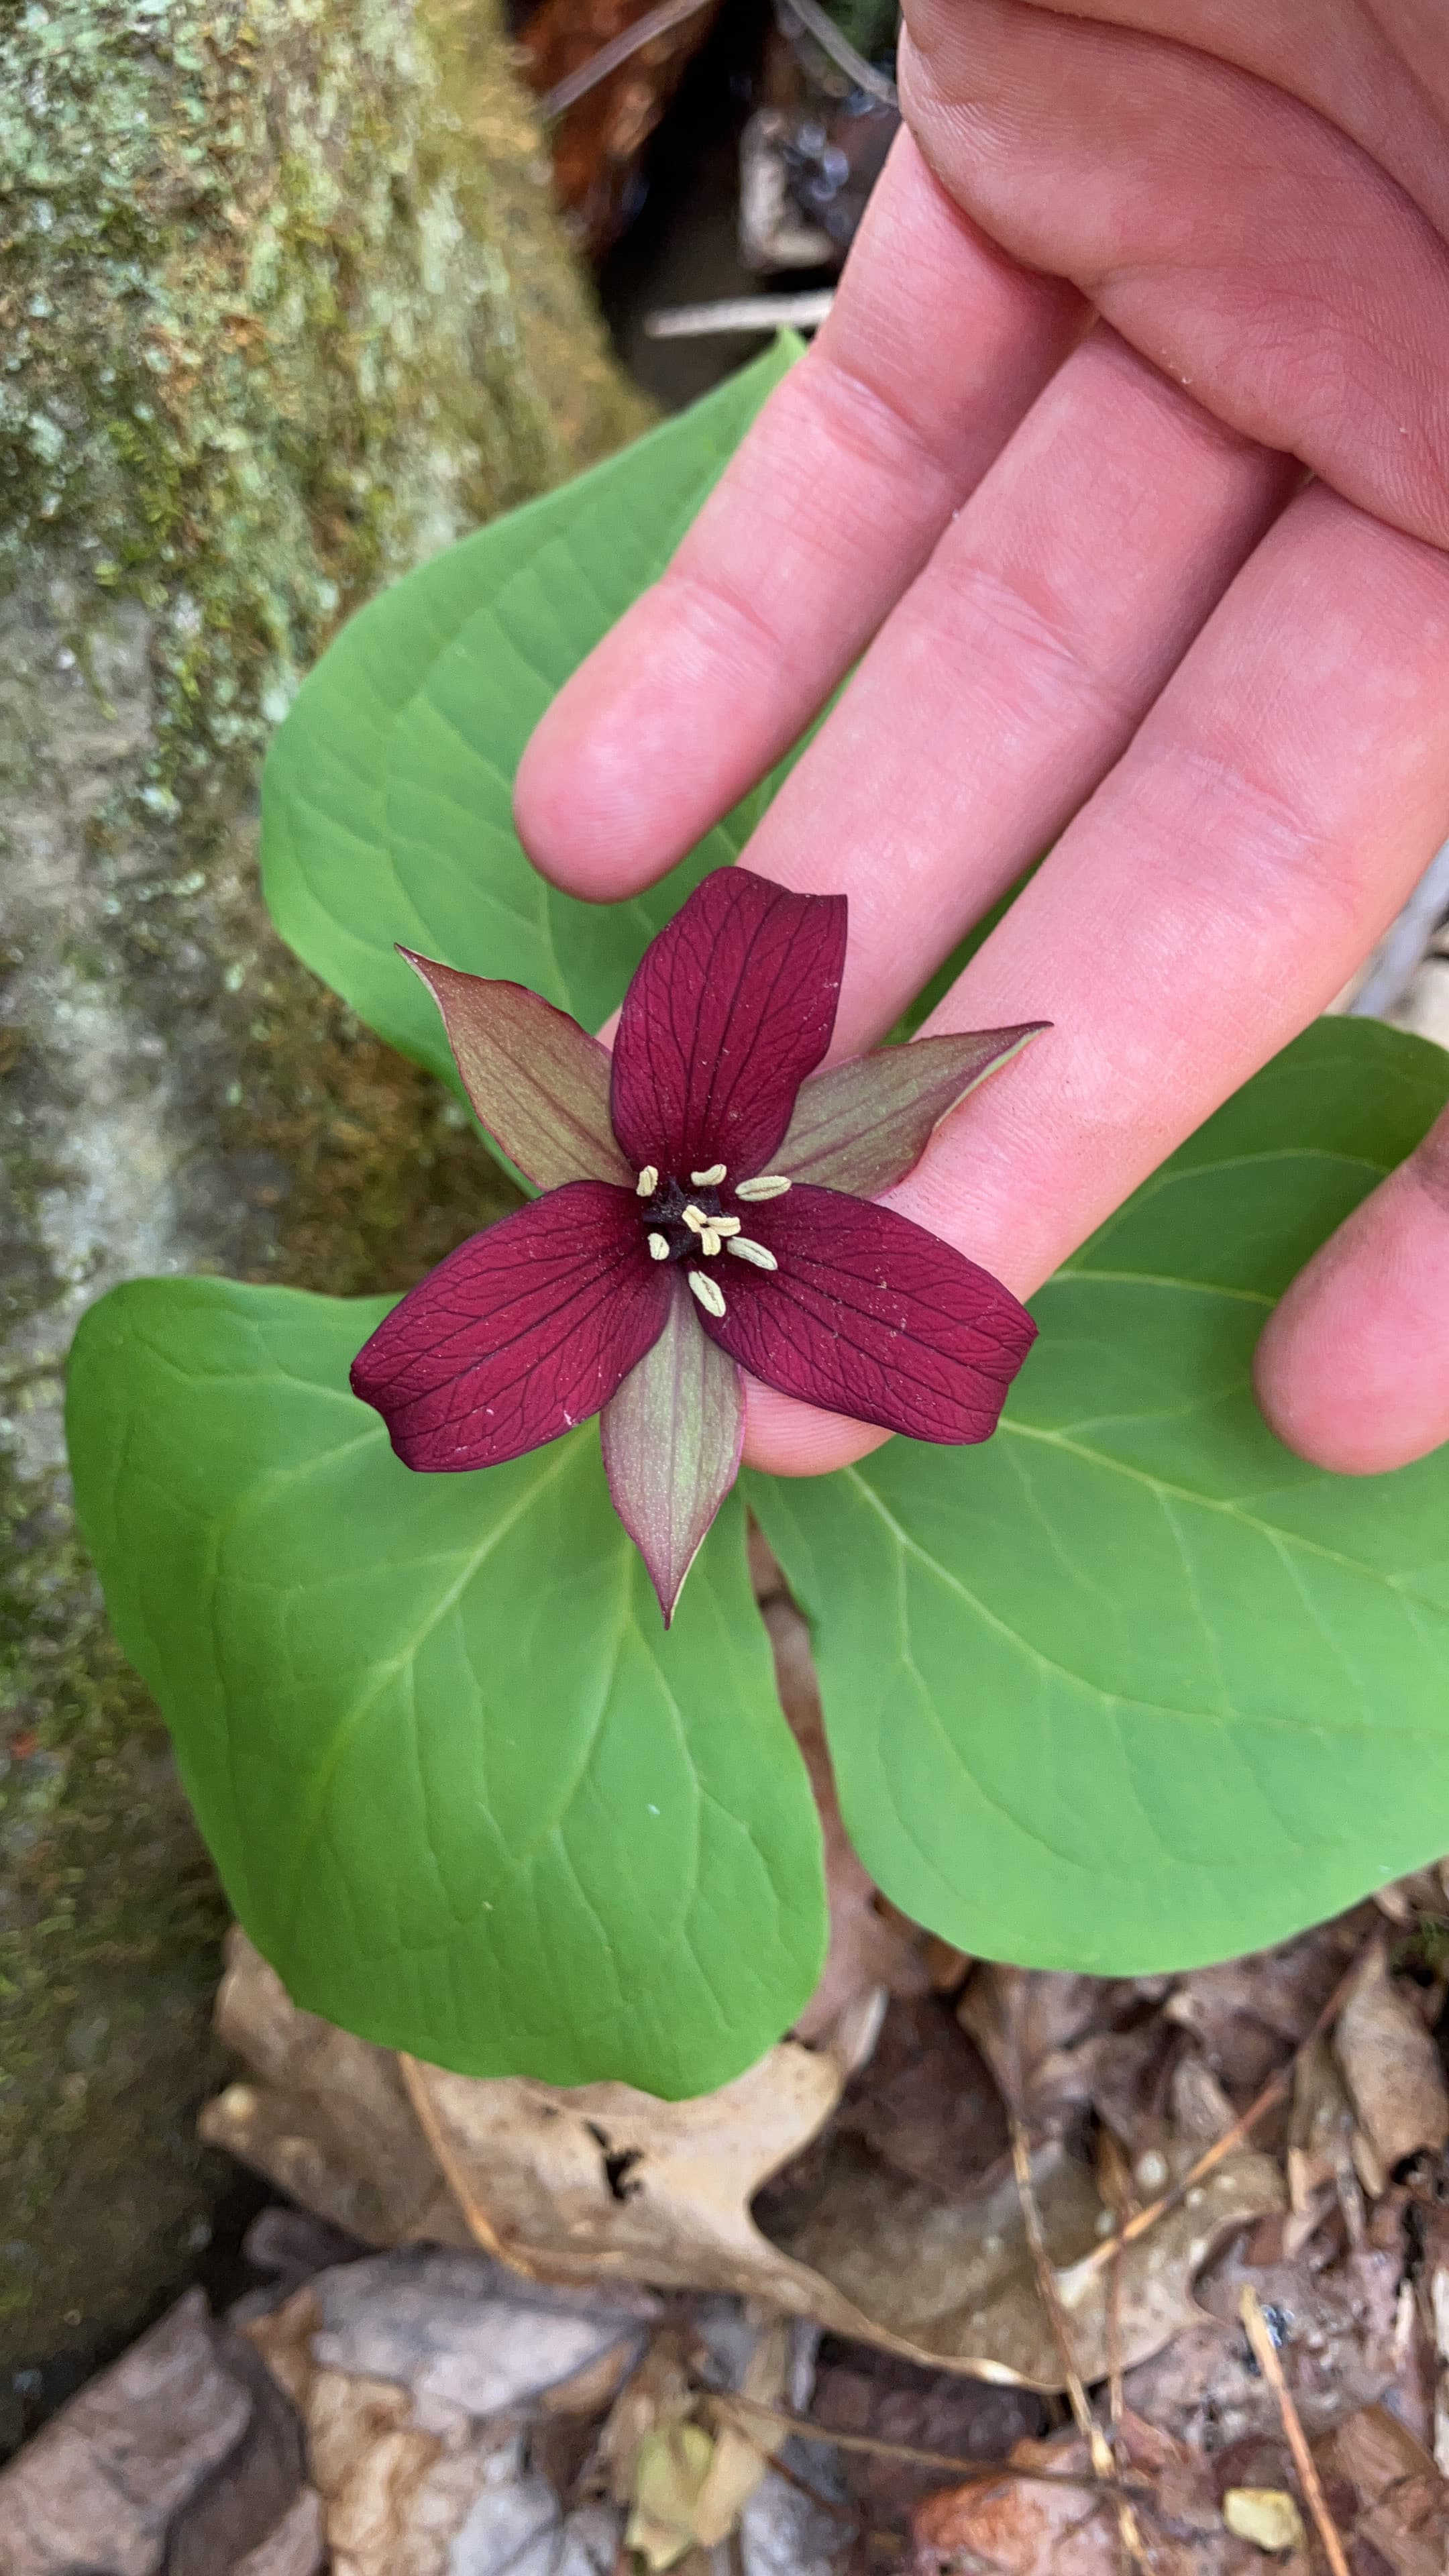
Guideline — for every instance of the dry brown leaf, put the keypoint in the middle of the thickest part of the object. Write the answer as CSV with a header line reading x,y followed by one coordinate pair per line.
x,y
927,2104
606,2182
1336,2334
1029,2025
1248,2014
1385,2491
1320,2125
1059,2045
952,2279
1198,2109
1404,1899
1434,2292
603,2183
412,2372
368,2461
907,2408
1020,2527
1391,2068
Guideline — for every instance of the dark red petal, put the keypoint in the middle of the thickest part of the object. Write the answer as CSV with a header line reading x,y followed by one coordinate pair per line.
x,y
519,1334
732,1005
869,1315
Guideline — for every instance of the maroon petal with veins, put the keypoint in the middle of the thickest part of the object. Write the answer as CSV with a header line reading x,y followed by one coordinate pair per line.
x,y
871,1316
729,1010
522,1332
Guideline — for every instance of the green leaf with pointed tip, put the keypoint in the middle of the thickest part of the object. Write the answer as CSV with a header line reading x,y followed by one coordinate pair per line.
x,y
387,800
464,1792
1132,1687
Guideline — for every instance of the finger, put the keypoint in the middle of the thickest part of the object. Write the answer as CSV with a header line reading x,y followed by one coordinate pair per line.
x,y
1241,241
1353,1366
1380,74
1016,668
934,349
1285,793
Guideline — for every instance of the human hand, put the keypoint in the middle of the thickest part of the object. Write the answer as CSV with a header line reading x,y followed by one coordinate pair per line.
x,y
1089,599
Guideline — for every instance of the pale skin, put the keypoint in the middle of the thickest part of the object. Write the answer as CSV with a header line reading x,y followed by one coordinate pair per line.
x,y
1136,265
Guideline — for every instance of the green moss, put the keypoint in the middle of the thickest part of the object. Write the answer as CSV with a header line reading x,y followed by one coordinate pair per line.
x,y
284,308
265,343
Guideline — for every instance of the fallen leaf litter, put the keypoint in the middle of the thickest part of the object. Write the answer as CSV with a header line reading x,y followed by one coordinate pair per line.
x,y
806,2315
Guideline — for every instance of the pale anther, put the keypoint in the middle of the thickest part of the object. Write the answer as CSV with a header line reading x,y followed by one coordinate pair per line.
x,y
648,1182
707,1290
659,1247
709,1241
724,1225
695,1219
770,1185
709,1180
743,1250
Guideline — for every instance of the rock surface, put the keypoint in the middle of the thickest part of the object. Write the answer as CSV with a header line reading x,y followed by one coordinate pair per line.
x,y
286,309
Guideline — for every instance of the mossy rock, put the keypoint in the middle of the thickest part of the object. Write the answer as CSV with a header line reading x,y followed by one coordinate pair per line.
x,y
286,308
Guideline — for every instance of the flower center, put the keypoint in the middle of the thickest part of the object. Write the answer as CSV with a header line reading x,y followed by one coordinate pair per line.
x,y
684,1220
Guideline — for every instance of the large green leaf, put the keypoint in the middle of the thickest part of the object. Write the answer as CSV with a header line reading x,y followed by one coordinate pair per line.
x,y
464,1792
1133,1687
387,802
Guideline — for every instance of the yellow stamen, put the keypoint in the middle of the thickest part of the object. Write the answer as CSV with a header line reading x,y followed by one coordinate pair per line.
x,y
770,1185
709,1180
707,1290
648,1182
724,1225
695,1219
709,1241
659,1247
744,1250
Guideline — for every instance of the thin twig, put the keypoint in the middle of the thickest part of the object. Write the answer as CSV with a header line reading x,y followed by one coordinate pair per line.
x,y
1265,2353
968,2472
720,2404
1272,2093
804,312
1104,2466
480,2226
632,40
1123,2202
840,50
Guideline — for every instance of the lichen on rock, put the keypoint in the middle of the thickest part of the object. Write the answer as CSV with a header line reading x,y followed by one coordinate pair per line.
x,y
285,309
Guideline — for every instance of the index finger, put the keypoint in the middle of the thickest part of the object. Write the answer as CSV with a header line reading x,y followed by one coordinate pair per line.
x,y
936,347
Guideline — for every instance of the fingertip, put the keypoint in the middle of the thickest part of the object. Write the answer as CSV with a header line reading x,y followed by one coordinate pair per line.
x,y
1352,1368
786,1438
580,796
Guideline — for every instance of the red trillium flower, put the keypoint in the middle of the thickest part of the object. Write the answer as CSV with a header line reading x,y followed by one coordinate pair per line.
x,y
707,1208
